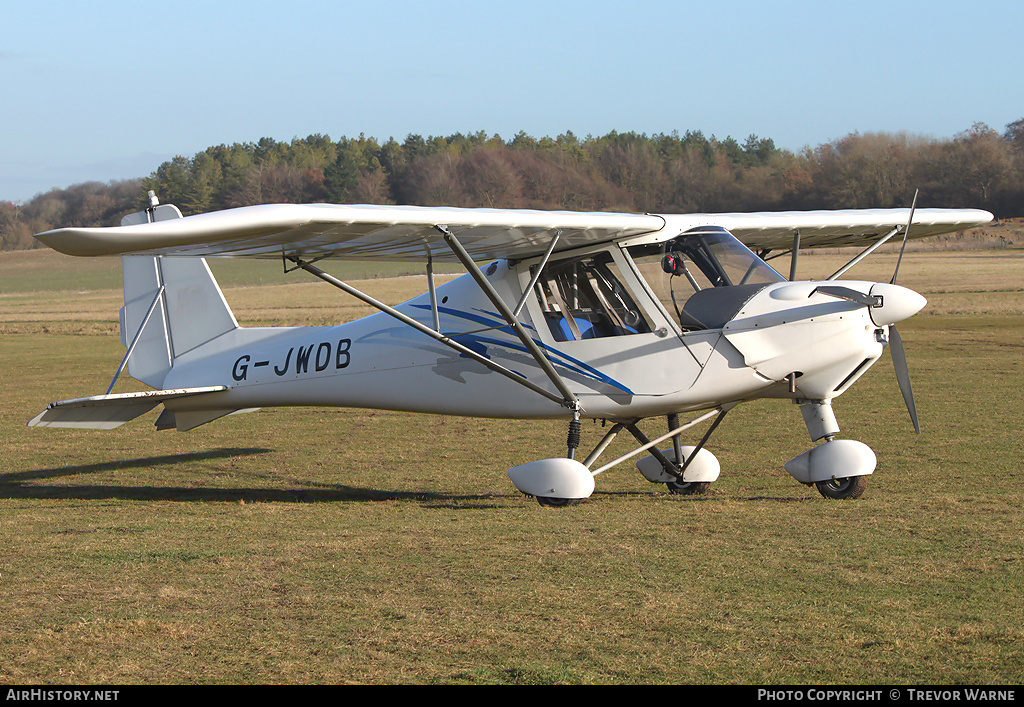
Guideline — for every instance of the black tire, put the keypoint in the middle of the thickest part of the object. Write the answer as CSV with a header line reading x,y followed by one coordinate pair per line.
x,y
688,488
841,489
554,502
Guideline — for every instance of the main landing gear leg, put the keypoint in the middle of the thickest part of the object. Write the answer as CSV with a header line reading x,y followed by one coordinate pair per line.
x,y
680,487
573,438
696,463
572,444
565,481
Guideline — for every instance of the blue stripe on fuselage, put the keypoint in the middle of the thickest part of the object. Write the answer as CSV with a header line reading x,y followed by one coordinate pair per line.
x,y
494,321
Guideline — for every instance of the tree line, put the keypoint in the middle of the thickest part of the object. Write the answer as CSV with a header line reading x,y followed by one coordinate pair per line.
x,y
666,173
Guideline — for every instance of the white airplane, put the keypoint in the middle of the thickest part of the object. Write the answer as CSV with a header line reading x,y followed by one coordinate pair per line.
x,y
615,317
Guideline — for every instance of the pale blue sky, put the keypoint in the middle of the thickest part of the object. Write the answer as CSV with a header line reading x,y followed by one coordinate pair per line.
x,y
109,90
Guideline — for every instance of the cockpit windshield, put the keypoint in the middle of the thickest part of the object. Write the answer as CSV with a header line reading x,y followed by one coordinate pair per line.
x,y
702,276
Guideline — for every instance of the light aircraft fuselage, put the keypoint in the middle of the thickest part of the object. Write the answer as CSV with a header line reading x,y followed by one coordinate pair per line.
x,y
617,317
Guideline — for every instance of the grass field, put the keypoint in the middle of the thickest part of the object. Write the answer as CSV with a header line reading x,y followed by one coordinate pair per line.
x,y
348,546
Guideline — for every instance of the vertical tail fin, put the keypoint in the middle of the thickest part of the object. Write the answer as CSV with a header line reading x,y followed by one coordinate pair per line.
x,y
172,305
185,309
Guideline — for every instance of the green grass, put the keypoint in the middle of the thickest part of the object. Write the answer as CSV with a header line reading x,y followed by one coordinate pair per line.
x,y
351,546
44,271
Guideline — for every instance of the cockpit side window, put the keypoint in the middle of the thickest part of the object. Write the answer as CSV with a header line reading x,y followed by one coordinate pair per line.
x,y
703,276
584,298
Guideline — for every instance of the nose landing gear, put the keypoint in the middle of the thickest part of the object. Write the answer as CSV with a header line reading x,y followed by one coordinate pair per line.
x,y
838,468
839,489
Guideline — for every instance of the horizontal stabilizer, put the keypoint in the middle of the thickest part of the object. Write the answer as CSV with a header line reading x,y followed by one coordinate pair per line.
x,y
105,412
190,419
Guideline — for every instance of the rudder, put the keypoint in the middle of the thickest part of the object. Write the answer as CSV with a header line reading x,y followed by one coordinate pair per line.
x,y
172,305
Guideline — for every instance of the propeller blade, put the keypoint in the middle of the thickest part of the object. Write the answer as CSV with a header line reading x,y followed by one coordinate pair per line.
x,y
899,361
906,232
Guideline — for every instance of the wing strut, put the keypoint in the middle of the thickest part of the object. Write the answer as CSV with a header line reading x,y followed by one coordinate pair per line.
x,y
536,275
433,294
795,255
569,399
865,253
437,336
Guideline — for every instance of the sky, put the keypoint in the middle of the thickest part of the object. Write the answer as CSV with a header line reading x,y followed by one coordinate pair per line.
x,y
103,91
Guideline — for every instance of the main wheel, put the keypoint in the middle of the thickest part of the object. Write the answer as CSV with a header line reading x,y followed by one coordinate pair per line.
x,y
849,487
688,488
554,502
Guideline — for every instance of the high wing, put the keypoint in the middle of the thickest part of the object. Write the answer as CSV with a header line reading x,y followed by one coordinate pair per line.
x,y
354,231
416,233
849,227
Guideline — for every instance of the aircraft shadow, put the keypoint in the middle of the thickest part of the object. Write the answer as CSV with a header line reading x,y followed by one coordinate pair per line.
x,y
713,497
20,485
141,462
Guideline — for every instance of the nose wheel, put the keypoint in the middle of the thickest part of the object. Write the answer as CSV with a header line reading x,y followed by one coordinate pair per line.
x,y
839,489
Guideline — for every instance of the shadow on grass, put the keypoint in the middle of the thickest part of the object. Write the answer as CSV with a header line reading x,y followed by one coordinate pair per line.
x,y
141,462
711,498
20,485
